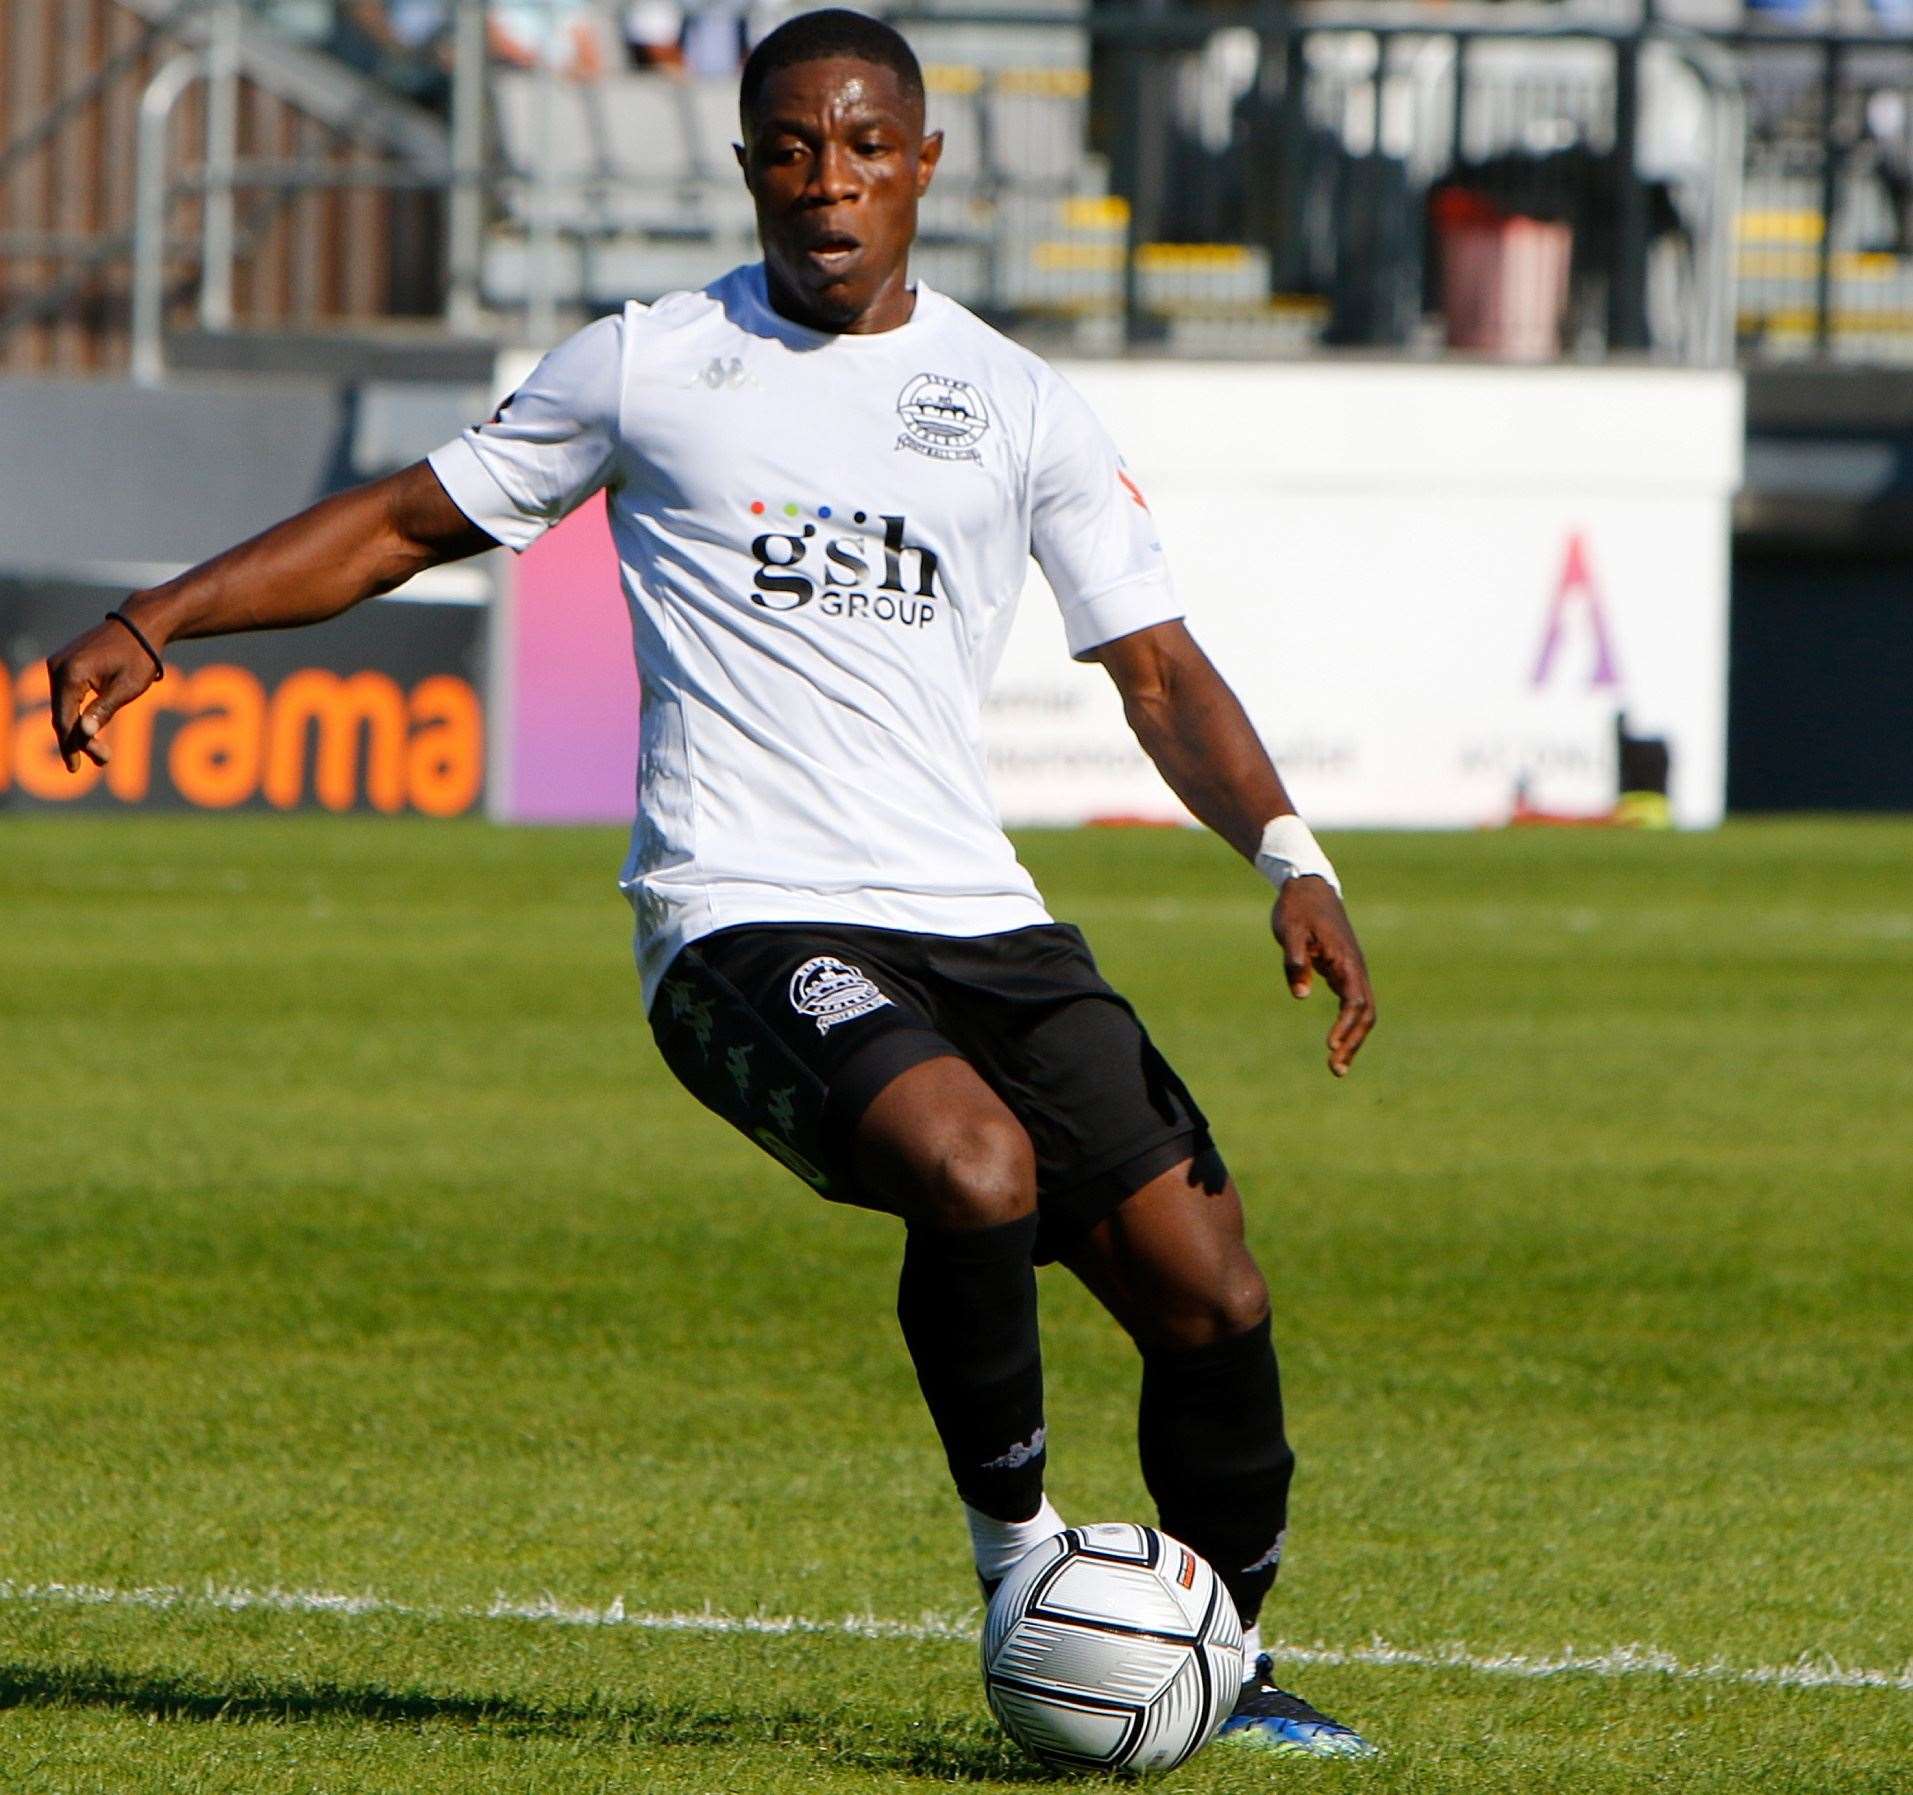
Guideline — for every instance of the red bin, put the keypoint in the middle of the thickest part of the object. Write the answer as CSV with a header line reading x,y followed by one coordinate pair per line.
x,y
1504,278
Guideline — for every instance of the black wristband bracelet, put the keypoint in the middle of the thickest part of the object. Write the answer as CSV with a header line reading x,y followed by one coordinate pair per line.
x,y
133,629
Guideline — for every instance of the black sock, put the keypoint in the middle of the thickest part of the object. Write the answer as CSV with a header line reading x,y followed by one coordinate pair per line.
x,y
967,1302
1216,1460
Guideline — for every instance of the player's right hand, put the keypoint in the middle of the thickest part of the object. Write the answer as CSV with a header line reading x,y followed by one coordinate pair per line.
x,y
93,676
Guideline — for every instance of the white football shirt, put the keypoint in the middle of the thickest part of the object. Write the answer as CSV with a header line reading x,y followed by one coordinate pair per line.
x,y
823,539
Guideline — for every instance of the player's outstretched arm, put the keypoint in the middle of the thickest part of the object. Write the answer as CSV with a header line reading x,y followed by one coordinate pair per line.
x,y
352,546
1196,731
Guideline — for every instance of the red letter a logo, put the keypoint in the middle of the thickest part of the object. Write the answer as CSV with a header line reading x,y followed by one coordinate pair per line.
x,y
1577,588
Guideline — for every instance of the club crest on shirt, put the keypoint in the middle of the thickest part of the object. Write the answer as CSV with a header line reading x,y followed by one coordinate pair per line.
x,y
943,418
829,992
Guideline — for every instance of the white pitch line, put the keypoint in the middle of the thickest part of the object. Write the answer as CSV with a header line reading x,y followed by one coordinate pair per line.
x,y
1810,1671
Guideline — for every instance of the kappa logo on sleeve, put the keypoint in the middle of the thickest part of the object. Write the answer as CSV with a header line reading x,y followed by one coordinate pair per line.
x,y
829,992
723,373
942,417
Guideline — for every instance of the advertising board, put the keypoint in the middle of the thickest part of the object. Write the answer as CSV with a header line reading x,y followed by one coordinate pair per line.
x,y
1435,588
378,710
572,690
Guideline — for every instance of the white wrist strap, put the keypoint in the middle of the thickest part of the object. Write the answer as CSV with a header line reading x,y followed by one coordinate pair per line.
x,y
1289,850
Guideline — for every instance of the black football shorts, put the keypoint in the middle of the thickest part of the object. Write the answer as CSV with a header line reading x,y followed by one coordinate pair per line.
x,y
789,1030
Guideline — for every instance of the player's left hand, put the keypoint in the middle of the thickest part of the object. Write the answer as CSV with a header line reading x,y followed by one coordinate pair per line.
x,y
1315,935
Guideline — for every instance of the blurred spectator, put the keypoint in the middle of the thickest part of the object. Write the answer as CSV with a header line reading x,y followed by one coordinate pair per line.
x,y
308,22
407,44
653,33
714,38
403,44
764,16
1886,132
568,35
417,25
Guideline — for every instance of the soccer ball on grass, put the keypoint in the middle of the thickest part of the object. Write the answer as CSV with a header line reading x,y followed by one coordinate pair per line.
x,y
1112,1647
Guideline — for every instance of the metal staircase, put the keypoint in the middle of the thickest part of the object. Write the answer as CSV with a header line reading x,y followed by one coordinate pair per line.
x,y
167,160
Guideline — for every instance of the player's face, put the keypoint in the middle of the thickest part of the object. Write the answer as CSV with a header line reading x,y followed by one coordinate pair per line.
x,y
836,161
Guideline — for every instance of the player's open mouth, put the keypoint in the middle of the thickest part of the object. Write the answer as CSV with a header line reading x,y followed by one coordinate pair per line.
x,y
833,253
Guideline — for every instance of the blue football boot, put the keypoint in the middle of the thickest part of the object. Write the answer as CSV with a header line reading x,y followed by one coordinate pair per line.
x,y
1273,1719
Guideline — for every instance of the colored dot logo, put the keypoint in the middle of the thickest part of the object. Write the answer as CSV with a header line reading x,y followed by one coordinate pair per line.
x,y
793,509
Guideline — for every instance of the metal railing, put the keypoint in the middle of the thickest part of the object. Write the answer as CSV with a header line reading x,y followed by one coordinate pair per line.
x,y
119,202
1320,141
233,49
1825,240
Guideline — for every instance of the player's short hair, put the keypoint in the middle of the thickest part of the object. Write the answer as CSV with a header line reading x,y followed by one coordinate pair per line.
x,y
835,31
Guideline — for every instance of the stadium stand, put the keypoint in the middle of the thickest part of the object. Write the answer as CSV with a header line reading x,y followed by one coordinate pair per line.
x,y
1211,182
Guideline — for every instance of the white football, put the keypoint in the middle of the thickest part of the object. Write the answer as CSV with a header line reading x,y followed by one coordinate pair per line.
x,y
1112,1647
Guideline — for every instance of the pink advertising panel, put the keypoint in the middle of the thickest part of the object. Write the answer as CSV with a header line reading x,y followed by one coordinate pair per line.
x,y
573,688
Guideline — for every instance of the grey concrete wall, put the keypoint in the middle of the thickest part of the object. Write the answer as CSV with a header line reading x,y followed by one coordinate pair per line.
x,y
99,473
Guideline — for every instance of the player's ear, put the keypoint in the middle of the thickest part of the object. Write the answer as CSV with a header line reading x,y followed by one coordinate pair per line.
x,y
743,167
927,158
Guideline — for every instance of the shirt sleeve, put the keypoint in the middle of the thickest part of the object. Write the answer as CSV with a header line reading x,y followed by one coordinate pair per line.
x,y
1090,528
549,447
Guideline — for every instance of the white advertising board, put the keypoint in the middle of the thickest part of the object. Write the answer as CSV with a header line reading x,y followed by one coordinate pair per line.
x,y
1433,587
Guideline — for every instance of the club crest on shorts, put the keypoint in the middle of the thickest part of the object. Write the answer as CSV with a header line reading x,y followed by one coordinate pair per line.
x,y
829,992
942,418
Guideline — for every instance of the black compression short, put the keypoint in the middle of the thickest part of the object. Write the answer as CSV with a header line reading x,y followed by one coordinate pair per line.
x,y
789,1030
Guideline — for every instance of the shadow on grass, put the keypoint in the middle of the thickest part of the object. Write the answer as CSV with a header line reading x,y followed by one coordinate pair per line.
x,y
914,1744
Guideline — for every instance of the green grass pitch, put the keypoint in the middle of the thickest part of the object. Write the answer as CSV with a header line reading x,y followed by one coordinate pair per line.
x,y
356,1243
